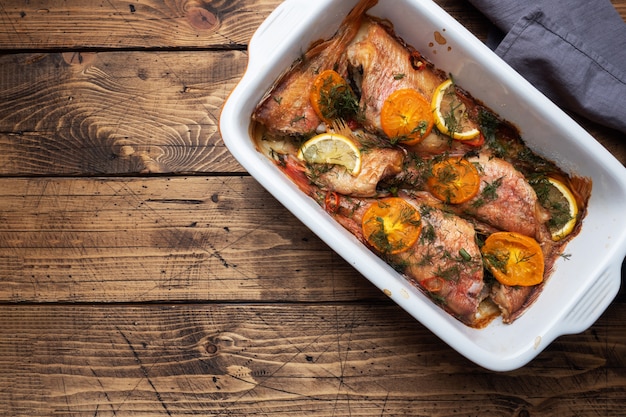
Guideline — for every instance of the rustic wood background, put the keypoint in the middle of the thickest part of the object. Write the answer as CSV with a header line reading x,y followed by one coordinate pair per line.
x,y
144,273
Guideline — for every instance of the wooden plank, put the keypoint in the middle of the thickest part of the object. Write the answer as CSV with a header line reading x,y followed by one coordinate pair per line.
x,y
288,360
154,239
71,24
115,112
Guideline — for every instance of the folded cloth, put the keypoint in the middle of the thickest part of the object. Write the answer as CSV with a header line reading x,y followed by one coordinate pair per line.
x,y
573,51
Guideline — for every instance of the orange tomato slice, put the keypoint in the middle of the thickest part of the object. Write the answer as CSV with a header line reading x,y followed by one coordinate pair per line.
x,y
454,180
514,259
332,98
391,225
406,116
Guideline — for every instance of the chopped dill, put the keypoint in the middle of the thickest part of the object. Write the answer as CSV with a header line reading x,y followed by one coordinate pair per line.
x,y
489,193
552,200
428,234
521,257
497,260
489,124
338,101
297,119
449,274
426,260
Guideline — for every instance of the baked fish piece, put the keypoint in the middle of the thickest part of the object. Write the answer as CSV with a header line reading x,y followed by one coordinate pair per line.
x,y
286,108
444,262
382,64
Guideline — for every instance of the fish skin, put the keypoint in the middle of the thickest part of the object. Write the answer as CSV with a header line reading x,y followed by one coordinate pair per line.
x,y
513,301
513,196
377,164
387,65
438,254
286,108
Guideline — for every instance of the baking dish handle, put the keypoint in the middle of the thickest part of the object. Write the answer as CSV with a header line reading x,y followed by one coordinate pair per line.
x,y
594,302
274,30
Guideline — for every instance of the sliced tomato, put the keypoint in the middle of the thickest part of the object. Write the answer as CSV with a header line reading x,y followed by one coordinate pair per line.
x,y
454,180
332,98
391,225
514,259
405,116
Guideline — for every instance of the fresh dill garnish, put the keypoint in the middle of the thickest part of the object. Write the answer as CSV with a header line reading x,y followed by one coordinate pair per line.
x,y
449,274
497,260
428,233
297,119
338,101
489,124
427,259
521,257
489,193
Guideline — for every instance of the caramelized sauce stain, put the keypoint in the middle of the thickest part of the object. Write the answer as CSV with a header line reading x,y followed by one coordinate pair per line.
x,y
440,39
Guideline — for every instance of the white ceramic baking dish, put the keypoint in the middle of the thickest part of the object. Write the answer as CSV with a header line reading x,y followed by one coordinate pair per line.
x,y
585,281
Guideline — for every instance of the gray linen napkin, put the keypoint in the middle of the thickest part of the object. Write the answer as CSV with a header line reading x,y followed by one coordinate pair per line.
x,y
574,51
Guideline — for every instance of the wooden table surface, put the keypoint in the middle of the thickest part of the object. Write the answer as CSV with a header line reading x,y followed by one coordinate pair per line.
x,y
143,272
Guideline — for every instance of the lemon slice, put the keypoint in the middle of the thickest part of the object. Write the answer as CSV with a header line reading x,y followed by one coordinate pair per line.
x,y
332,148
564,210
450,113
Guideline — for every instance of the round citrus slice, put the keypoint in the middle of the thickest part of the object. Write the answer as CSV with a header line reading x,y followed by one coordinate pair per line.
x,y
564,209
406,117
450,113
332,148
332,98
391,225
454,180
514,259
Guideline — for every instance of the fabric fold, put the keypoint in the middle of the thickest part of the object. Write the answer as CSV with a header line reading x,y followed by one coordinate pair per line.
x,y
575,55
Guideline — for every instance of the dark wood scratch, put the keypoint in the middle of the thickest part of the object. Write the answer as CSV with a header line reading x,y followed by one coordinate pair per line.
x,y
173,201
144,372
382,412
106,394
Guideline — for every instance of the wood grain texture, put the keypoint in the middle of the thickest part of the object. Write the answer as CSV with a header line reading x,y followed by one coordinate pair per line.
x,y
288,360
115,112
153,24
161,239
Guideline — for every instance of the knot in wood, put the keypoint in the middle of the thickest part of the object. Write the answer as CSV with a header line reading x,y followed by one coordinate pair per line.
x,y
211,348
202,19
79,59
